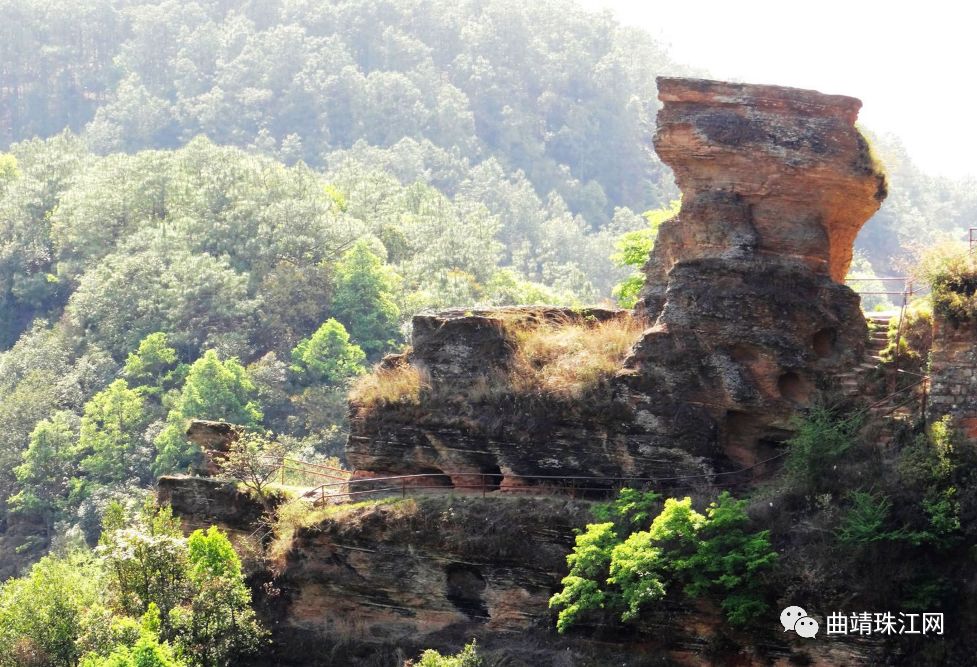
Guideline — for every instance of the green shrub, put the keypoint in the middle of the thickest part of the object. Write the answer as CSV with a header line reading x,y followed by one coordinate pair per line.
x,y
867,520
821,439
915,337
704,555
951,272
631,507
468,657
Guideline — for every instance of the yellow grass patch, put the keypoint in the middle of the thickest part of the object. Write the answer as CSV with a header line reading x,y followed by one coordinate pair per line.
x,y
384,386
568,358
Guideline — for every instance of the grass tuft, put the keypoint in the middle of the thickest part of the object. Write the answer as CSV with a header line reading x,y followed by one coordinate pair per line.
x,y
568,359
401,384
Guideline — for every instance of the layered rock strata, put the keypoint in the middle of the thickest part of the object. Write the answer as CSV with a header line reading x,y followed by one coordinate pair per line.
x,y
745,314
375,583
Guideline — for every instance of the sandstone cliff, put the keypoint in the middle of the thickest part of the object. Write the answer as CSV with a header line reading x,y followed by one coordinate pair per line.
x,y
744,318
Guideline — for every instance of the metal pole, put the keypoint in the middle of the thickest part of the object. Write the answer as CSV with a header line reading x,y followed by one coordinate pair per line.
x,y
403,488
483,485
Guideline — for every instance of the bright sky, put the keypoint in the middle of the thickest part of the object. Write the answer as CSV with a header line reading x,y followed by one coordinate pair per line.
x,y
913,65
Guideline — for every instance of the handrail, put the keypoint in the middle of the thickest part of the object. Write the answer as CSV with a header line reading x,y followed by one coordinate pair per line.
x,y
485,476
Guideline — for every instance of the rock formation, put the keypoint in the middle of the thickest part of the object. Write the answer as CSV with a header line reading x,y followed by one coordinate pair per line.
x,y
374,584
743,288
746,314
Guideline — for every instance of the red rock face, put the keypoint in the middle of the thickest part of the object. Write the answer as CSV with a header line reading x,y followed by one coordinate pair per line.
x,y
743,286
747,318
765,170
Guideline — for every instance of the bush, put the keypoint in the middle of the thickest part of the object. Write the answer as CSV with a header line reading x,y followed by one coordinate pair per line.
x,y
822,438
468,657
912,350
706,555
951,272
867,520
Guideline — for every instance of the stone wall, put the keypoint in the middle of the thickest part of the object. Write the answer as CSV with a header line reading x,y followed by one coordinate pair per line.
x,y
953,374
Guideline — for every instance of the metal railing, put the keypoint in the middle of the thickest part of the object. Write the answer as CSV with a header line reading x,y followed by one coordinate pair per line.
x,y
485,482
305,469
904,296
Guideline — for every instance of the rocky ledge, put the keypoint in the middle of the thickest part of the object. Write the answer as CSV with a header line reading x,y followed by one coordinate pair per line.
x,y
743,321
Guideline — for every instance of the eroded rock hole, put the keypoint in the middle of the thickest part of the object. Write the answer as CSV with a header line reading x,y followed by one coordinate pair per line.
x,y
465,587
794,388
492,477
432,477
824,342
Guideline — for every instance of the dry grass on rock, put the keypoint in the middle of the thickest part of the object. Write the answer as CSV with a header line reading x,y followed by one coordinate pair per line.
x,y
560,359
401,384
568,358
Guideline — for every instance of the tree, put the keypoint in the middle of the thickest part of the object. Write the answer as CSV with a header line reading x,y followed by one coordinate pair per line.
x,y
327,356
728,561
153,363
363,298
146,561
8,170
705,555
146,652
111,442
253,460
48,467
467,657
214,389
219,625
41,615
632,250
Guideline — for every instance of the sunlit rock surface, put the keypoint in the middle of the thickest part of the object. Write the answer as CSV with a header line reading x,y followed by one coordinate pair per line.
x,y
746,318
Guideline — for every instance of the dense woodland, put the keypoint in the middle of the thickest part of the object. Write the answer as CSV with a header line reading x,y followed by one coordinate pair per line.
x,y
229,209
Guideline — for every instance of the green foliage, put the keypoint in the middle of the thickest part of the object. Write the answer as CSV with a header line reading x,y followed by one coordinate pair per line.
x,y
111,445
867,520
728,560
467,657
327,356
952,276
8,170
147,562
821,439
153,364
632,250
363,298
41,615
253,460
214,389
915,337
147,651
707,555
589,565
631,507
150,599
638,570
48,465
219,625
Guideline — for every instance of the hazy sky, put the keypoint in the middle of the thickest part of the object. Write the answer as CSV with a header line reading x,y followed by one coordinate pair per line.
x,y
914,67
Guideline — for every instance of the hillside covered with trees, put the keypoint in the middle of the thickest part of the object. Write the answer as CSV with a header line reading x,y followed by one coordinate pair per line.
x,y
230,209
